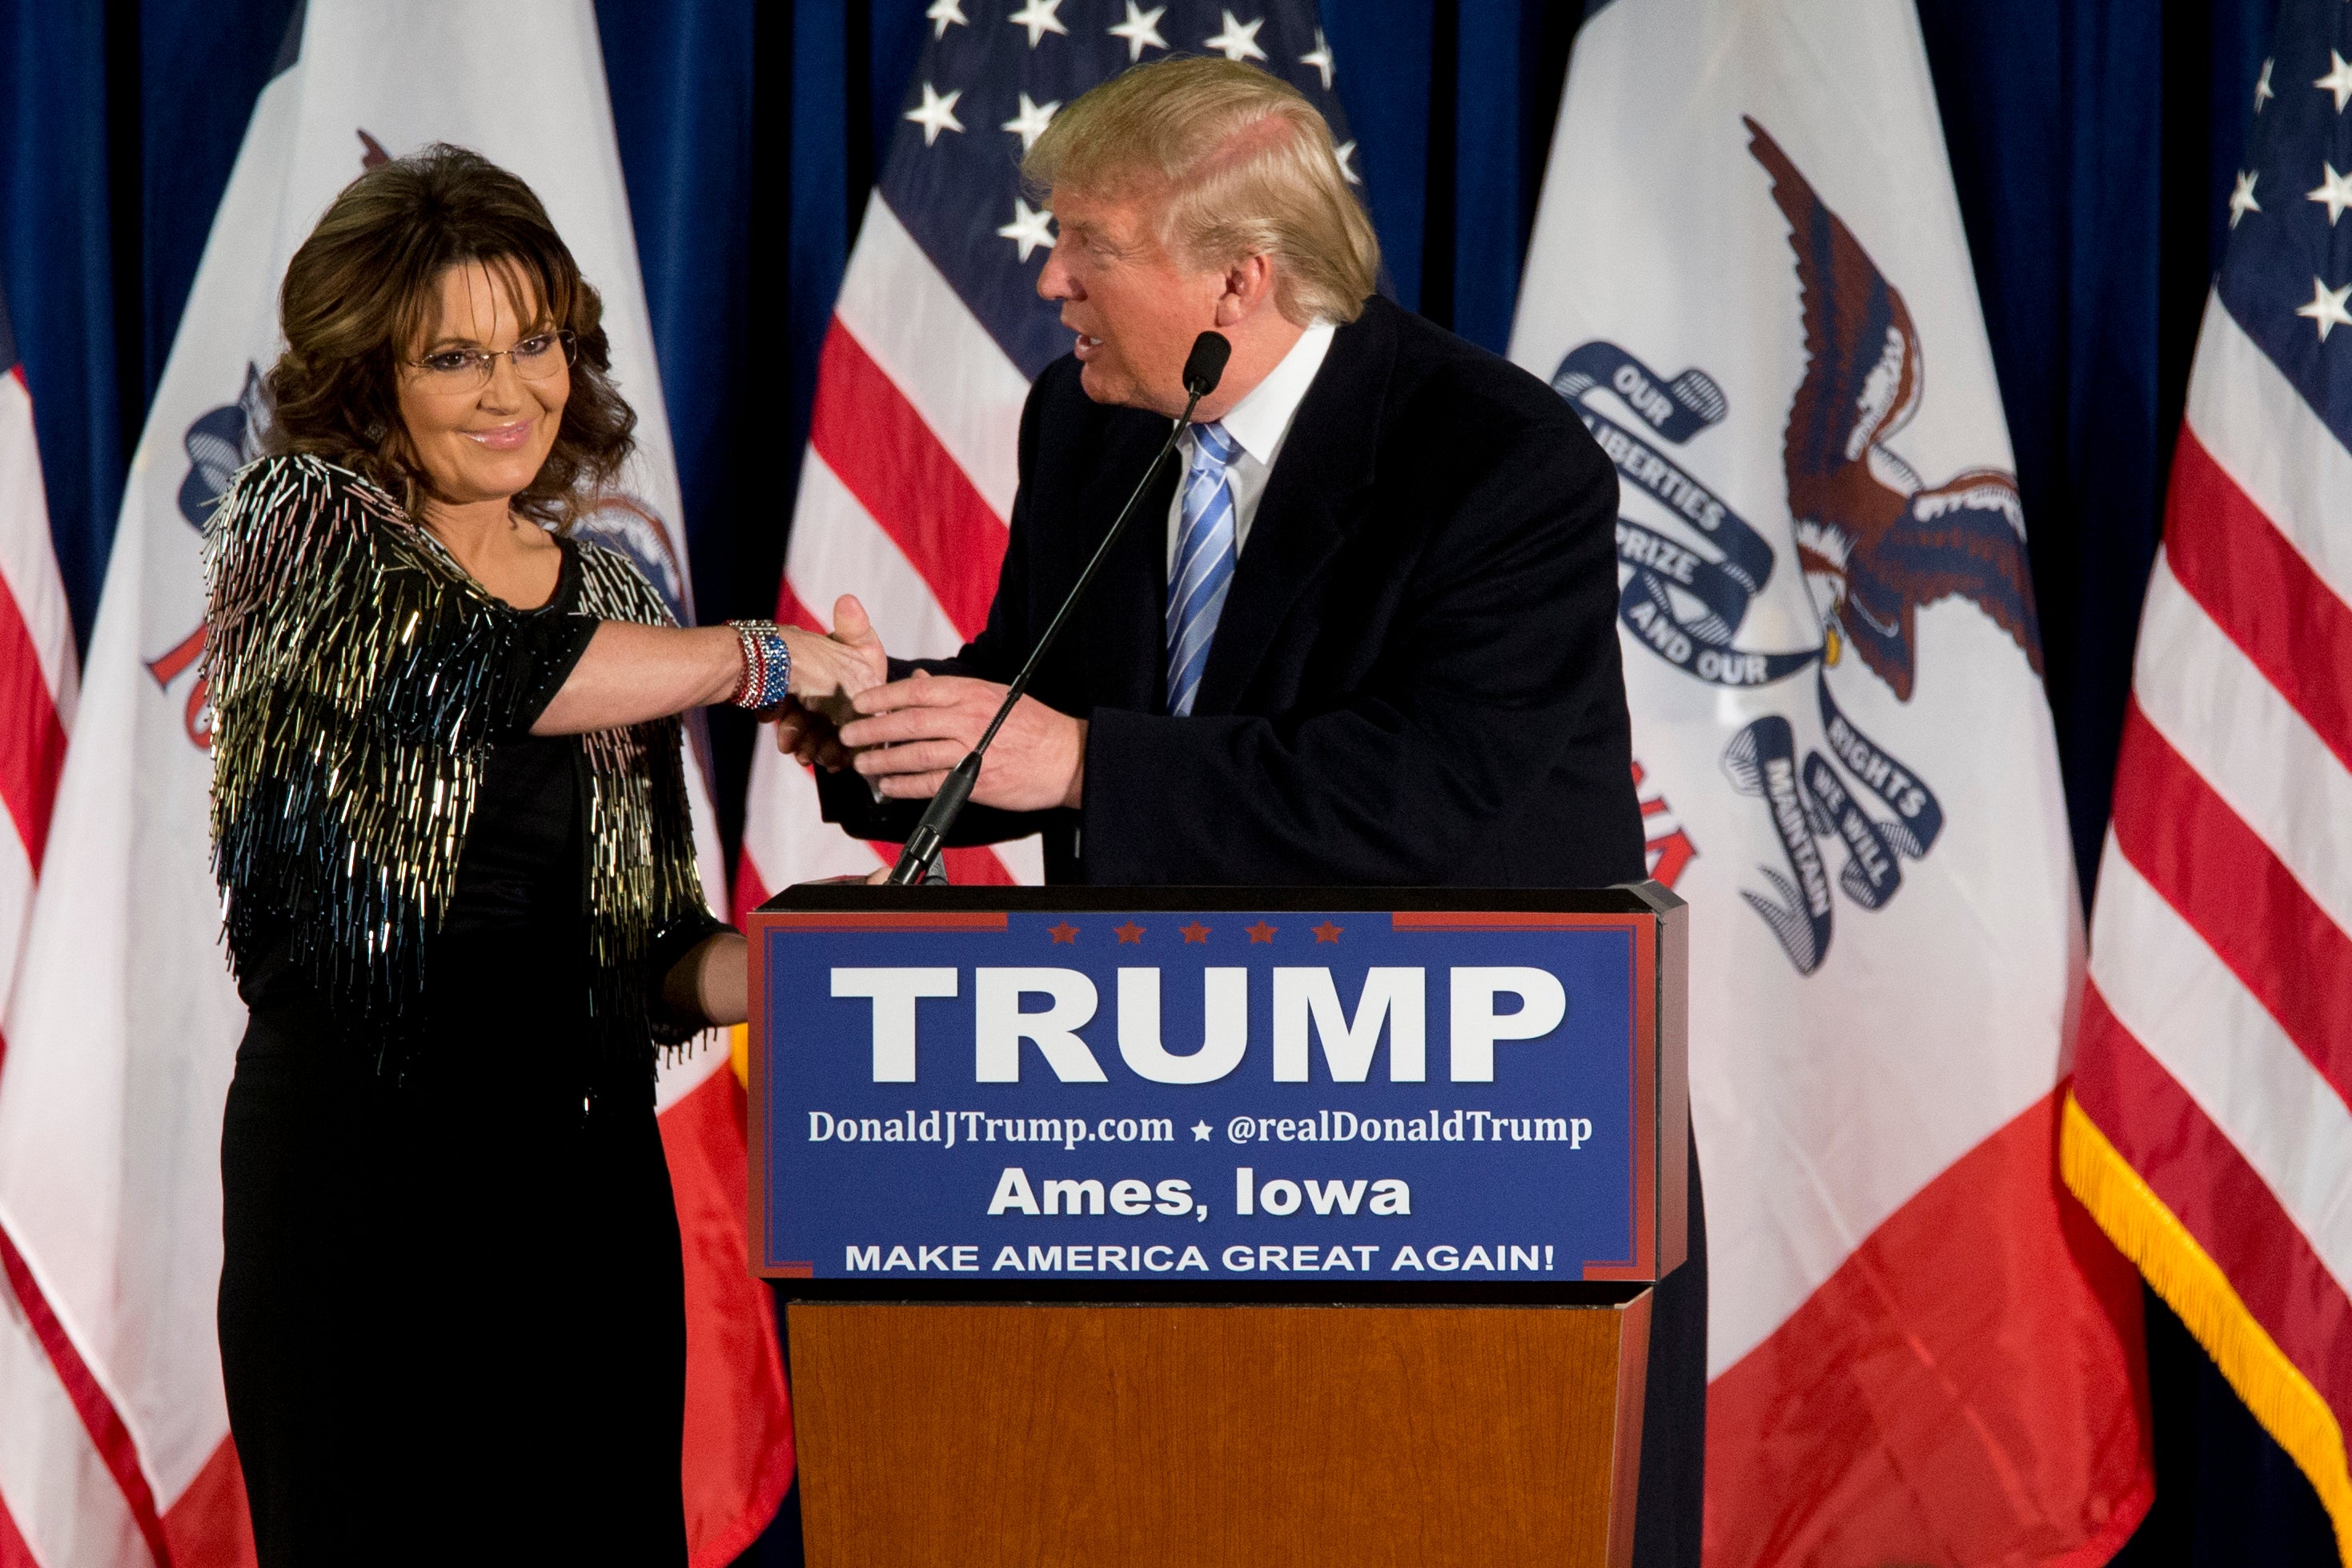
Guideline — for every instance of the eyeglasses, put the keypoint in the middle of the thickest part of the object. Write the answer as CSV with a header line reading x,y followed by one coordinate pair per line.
x,y
536,357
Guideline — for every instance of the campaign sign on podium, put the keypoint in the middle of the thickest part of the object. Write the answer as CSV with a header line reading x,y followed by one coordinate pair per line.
x,y
1016,1085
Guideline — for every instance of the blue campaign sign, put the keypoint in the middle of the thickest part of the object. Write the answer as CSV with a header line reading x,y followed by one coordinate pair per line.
x,y
1205,1094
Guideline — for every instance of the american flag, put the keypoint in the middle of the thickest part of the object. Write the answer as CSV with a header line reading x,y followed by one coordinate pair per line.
x,y
2210,1130
909,473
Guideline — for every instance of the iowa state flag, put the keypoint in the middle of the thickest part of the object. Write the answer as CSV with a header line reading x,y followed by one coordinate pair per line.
x,y
1748,277
123,1024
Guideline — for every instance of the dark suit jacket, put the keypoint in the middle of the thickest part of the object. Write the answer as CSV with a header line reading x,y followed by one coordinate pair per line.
x,y
1415,679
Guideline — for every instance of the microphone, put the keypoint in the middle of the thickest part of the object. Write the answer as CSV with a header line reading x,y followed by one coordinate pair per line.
x,y
1203,368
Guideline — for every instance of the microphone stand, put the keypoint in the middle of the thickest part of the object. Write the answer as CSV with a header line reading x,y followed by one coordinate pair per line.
x,y
1203,369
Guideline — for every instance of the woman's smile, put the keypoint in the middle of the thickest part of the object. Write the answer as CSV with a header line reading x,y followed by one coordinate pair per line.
x,y
511,436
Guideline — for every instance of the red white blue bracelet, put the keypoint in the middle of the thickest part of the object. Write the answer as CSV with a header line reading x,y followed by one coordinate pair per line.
x,y
767,666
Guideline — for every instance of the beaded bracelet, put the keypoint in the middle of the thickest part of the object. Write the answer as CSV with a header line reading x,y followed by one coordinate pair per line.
x,y
767,666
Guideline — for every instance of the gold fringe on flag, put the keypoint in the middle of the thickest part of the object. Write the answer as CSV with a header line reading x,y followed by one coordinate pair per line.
x,y
2185,1276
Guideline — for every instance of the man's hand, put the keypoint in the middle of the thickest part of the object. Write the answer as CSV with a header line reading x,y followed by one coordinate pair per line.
x,y
921,728
809,737
827,673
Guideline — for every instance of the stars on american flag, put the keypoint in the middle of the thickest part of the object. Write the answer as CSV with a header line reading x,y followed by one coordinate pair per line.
x,y
2241,198
2338,79
937,113
2334,192
1140,30
2292,144
1319,56
1038,17
945,12
1238,41
2327,306
1028,230
1031,122
1344,151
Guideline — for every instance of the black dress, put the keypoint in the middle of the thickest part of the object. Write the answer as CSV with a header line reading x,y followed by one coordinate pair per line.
x,y
451,1307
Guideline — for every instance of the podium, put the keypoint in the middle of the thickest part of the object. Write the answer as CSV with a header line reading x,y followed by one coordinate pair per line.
x,y
1218,1226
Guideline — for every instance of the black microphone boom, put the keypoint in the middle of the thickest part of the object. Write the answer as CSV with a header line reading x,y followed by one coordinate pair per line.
x,y
1203,368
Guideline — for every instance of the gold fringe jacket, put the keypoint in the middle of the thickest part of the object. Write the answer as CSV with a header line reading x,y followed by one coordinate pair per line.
x,y
358,677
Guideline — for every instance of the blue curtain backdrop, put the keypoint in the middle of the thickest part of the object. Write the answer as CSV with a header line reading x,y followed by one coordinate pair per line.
x,y
2092,140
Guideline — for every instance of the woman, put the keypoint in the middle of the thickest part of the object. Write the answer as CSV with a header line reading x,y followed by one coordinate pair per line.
x,y
451,823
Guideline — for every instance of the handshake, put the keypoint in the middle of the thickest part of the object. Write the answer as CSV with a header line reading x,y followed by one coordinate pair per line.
x,y
905,737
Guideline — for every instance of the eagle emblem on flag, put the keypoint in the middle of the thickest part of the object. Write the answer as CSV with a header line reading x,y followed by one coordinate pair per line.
x,y
1875,542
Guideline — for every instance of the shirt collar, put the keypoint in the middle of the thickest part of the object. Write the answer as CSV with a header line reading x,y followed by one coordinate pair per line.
x,y
1262,419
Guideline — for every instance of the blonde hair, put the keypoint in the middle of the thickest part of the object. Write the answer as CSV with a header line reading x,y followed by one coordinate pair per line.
x,y
1244,165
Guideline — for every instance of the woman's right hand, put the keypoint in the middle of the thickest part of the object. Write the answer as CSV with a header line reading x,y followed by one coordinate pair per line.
x,y
829,670
630,673
827,673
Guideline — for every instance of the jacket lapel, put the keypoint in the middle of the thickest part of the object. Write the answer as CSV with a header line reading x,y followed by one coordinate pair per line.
x,y
1114,645
1325,465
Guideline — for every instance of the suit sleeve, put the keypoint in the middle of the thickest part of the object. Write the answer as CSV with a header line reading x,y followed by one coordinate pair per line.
x,y
1502,665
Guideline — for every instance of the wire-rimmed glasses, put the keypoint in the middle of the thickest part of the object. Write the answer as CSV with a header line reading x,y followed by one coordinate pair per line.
x,y
535,358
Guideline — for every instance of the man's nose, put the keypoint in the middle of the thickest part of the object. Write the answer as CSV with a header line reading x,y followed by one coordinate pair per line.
x,y
1054,279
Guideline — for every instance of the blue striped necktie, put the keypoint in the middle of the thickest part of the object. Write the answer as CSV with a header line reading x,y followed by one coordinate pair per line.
x,y
1204,563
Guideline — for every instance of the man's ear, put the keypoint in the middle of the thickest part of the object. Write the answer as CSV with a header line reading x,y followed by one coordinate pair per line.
x,y
1249,288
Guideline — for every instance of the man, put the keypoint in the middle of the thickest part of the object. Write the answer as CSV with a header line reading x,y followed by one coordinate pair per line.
x,y
1371,637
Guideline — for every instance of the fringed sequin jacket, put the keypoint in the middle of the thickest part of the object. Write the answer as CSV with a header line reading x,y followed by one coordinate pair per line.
x,y
358,677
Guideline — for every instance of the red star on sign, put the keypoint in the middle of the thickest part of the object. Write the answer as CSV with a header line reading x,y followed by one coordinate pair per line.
x,y
1327,932
1261,932
1196,932
1063,932
1130,932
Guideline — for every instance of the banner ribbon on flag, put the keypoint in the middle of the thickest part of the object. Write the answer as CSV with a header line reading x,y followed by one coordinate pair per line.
x,y
1677,410
1804,802
1918,815
1762,760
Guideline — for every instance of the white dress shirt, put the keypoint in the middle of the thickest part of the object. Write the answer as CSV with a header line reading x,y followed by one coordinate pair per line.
x,y
1258,425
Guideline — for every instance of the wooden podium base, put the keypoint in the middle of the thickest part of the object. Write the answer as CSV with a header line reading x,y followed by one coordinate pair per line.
x,y
1199,1435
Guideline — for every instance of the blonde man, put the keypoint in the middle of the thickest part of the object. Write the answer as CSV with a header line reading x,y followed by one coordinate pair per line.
x,y
1375,642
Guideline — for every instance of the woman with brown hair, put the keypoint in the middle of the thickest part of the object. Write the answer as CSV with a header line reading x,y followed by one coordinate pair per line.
x,y
450,823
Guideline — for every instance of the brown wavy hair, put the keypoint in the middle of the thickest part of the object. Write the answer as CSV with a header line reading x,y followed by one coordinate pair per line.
x,y
364,288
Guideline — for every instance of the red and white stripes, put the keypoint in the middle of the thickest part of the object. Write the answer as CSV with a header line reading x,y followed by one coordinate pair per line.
x,y
2216,1057
905,491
